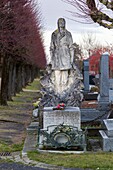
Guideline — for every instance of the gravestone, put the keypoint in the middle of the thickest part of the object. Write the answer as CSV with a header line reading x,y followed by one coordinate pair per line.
x,y
86,75
104,82
107,135
61,84
111,90
62,129
69,116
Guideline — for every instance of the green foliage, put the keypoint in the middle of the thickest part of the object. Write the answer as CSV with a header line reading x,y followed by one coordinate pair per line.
x,y
102,161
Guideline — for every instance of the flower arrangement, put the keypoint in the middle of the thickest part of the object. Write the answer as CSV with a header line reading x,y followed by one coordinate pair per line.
x,y
60,106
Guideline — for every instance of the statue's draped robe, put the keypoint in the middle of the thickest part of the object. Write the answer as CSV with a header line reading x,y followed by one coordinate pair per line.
x,y
61,50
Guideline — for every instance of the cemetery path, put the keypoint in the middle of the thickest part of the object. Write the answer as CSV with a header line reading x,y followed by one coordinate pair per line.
x,y
15,117
15,166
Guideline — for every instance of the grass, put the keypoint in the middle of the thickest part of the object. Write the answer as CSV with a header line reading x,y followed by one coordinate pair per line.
x,y
4,147
34,85
6,160
95,161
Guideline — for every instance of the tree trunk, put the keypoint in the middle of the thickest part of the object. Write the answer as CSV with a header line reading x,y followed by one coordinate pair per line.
x,y
27,74
9,95
13,88
4,80
18,78
23,76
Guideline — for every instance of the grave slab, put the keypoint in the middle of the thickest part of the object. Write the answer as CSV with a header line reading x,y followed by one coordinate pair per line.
x,y
107,142
108,125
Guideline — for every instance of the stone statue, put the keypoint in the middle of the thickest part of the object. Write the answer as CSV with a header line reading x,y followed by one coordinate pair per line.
x,y
61,47
62,53
62,81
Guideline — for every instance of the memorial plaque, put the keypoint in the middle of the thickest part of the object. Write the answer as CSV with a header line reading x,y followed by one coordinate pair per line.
x,y
69,116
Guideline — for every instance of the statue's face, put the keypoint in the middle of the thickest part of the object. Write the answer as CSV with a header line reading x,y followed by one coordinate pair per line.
x,y
61,23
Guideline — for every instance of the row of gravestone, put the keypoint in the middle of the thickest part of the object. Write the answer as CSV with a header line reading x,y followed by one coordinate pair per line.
x,y
105,84
105,98
72,117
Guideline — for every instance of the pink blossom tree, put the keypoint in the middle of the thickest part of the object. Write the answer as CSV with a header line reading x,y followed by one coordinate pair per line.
x,y
21,45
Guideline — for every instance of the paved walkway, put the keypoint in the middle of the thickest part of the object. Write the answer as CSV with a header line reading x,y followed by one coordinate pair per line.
x,y
15,166
24,163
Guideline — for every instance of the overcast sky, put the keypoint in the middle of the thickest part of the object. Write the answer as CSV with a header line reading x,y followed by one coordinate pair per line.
x,y
53,9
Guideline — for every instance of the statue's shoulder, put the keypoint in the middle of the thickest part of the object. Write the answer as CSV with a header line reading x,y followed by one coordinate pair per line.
x,y
68,33
55,32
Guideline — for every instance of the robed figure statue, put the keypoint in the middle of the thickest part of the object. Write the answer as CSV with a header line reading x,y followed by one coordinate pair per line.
x,y
63,79
61,47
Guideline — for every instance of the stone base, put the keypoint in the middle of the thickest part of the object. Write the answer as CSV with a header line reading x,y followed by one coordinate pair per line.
x,y
107,142
103,106
31,138
62,137
108,126
90,96
62,129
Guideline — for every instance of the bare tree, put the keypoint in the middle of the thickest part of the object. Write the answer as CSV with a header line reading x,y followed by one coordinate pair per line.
x,y
98,11
88,43
78,56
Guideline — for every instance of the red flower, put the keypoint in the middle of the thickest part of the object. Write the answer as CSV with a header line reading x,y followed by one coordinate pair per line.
x,y
58,106
62,104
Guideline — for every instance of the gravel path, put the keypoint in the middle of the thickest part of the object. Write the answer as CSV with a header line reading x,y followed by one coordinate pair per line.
x,y
15,166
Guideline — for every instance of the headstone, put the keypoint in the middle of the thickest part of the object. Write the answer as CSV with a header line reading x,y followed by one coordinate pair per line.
x,y
104,81
111,90
111,84
86,75
107,135
110,96
69,116
62,129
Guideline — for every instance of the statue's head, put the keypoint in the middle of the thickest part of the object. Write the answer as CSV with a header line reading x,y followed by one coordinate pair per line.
x,y
61,23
